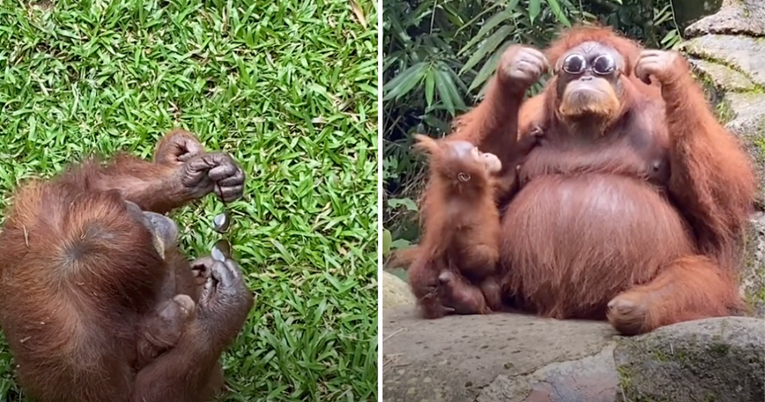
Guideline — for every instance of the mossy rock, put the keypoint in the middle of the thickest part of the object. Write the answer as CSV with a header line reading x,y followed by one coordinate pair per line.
x,y
718,359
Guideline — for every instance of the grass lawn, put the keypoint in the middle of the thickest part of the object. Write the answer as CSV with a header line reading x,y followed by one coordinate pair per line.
x,y
288,88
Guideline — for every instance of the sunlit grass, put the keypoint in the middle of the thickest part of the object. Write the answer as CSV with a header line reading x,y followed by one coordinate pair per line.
x,y
289,89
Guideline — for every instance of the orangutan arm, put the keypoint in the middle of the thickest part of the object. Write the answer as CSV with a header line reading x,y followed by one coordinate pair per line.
x,y
493,125
182,172
711,175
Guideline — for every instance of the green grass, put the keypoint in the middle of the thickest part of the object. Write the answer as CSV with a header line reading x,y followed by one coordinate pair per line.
x,y
289,89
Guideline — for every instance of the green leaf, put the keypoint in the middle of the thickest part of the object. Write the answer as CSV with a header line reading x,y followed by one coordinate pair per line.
x,y
405,81
443,84
430,85
496,19
489,68
558,12
490,45
410,205
399,244
534,9
387,239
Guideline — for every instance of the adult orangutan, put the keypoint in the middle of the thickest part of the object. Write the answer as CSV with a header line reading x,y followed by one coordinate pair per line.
x,y
633,204
89,264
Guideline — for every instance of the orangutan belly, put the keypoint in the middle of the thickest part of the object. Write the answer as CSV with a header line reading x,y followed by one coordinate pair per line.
x,y
570,244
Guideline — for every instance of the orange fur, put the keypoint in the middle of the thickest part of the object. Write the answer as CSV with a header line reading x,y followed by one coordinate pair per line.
x,y
641,224
79,274
461,233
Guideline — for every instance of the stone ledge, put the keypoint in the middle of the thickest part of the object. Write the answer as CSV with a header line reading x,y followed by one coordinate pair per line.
x,y
514,357
743,53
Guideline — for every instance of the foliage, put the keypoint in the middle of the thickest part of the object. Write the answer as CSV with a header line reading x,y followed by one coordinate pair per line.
x,y
289,88
439,54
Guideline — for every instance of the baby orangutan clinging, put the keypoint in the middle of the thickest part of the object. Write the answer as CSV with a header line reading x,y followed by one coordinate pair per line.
x,y
161,331
459,246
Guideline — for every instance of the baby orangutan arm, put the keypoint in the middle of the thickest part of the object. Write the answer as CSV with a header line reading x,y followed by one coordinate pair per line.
x,y
161,331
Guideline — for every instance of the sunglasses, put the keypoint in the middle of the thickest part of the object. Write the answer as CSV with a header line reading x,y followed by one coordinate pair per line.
x,y
221,251
576,64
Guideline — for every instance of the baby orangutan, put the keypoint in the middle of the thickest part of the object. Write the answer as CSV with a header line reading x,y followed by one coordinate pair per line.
x,y
162,330
458,254
462,297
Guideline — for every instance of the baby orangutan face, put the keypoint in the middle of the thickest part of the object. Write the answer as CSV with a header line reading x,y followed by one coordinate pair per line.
x,y
457,159
490,161
467,154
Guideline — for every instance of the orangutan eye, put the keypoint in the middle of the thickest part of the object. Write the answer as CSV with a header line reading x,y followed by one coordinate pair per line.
x,y
603,65
574,64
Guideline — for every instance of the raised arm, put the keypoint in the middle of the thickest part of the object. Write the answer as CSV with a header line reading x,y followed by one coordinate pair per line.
x,y
711,175
493,125
182,172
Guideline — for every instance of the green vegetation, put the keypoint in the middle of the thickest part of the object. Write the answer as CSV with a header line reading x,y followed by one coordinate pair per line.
x,y
289,89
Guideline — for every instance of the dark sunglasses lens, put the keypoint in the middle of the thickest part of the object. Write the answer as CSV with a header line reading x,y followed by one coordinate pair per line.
x,y
604,65
574,64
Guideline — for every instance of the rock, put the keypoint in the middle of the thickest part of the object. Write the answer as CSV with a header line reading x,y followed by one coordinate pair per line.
x,y
748,120
521,358
395,291
717,359
689,11
745,17
722,77
499,357
590,379
742,53
753,276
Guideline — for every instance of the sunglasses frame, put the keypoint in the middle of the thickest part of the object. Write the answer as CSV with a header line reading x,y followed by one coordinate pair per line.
x,y
589,66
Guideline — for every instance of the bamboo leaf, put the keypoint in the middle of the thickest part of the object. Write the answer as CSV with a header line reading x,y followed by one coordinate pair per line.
x,y
407,203
387,240
535,7
489,68
434,121
454,81
472,22
512,4
430,85
558,12
446,90
492,22
404,81
487,47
